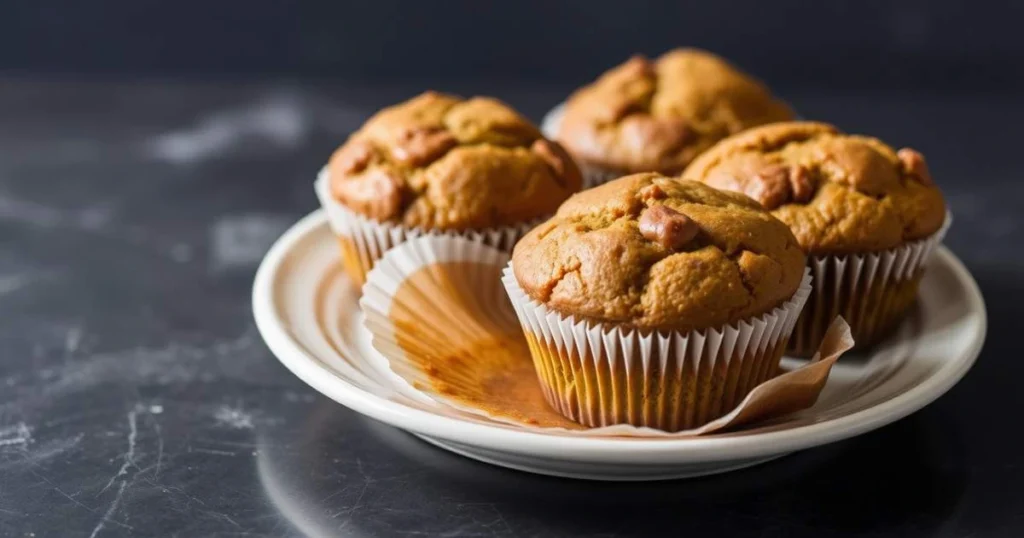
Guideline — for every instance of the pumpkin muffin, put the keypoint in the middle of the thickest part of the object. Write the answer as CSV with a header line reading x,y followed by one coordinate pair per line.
x,y
867,214
442,164
656,302
658,115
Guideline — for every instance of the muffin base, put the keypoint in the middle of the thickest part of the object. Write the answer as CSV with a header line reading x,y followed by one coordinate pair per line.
x,y
873,314
678,394
599,374
872,292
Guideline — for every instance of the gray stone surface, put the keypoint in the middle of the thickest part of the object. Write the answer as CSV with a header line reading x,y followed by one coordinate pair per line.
x,y
137,399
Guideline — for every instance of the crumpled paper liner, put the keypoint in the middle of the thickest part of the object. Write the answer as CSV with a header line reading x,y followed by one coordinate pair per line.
x,y
437,310
363,241
873,292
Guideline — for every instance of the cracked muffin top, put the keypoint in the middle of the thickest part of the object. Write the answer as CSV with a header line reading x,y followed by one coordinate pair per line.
x,y
839,193
658,115
654,252
442,162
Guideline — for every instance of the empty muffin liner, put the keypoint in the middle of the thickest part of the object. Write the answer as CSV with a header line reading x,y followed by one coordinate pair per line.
x,y
438,312
873,292
363,241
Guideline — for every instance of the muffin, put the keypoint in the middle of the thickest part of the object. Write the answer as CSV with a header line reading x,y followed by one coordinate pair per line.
x,y
656,302
867,215
645,116
441,164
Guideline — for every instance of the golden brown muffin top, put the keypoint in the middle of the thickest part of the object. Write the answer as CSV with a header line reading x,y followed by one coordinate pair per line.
x,y
442,162
654,252
839,193
658,115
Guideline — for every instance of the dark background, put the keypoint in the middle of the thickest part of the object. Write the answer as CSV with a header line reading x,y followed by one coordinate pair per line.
x,y
937,45
151,151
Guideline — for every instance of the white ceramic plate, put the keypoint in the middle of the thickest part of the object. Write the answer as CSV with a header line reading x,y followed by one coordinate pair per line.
x,y
307,311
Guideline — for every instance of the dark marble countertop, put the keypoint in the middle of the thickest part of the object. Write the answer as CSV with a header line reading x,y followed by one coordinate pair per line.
x,y
137,399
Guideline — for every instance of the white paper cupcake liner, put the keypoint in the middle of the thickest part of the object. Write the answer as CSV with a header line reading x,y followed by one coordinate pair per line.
x,y
364,241
600,374
873,292
430,297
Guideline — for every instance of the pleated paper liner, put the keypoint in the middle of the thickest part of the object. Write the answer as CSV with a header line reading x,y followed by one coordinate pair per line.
x,y
873,292
599,374
438,312
363,241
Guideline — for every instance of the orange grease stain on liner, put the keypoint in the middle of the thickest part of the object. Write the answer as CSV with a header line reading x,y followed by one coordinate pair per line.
x,y
468,351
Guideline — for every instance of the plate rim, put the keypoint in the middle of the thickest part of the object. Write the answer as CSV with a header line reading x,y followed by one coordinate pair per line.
x,y
296,359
